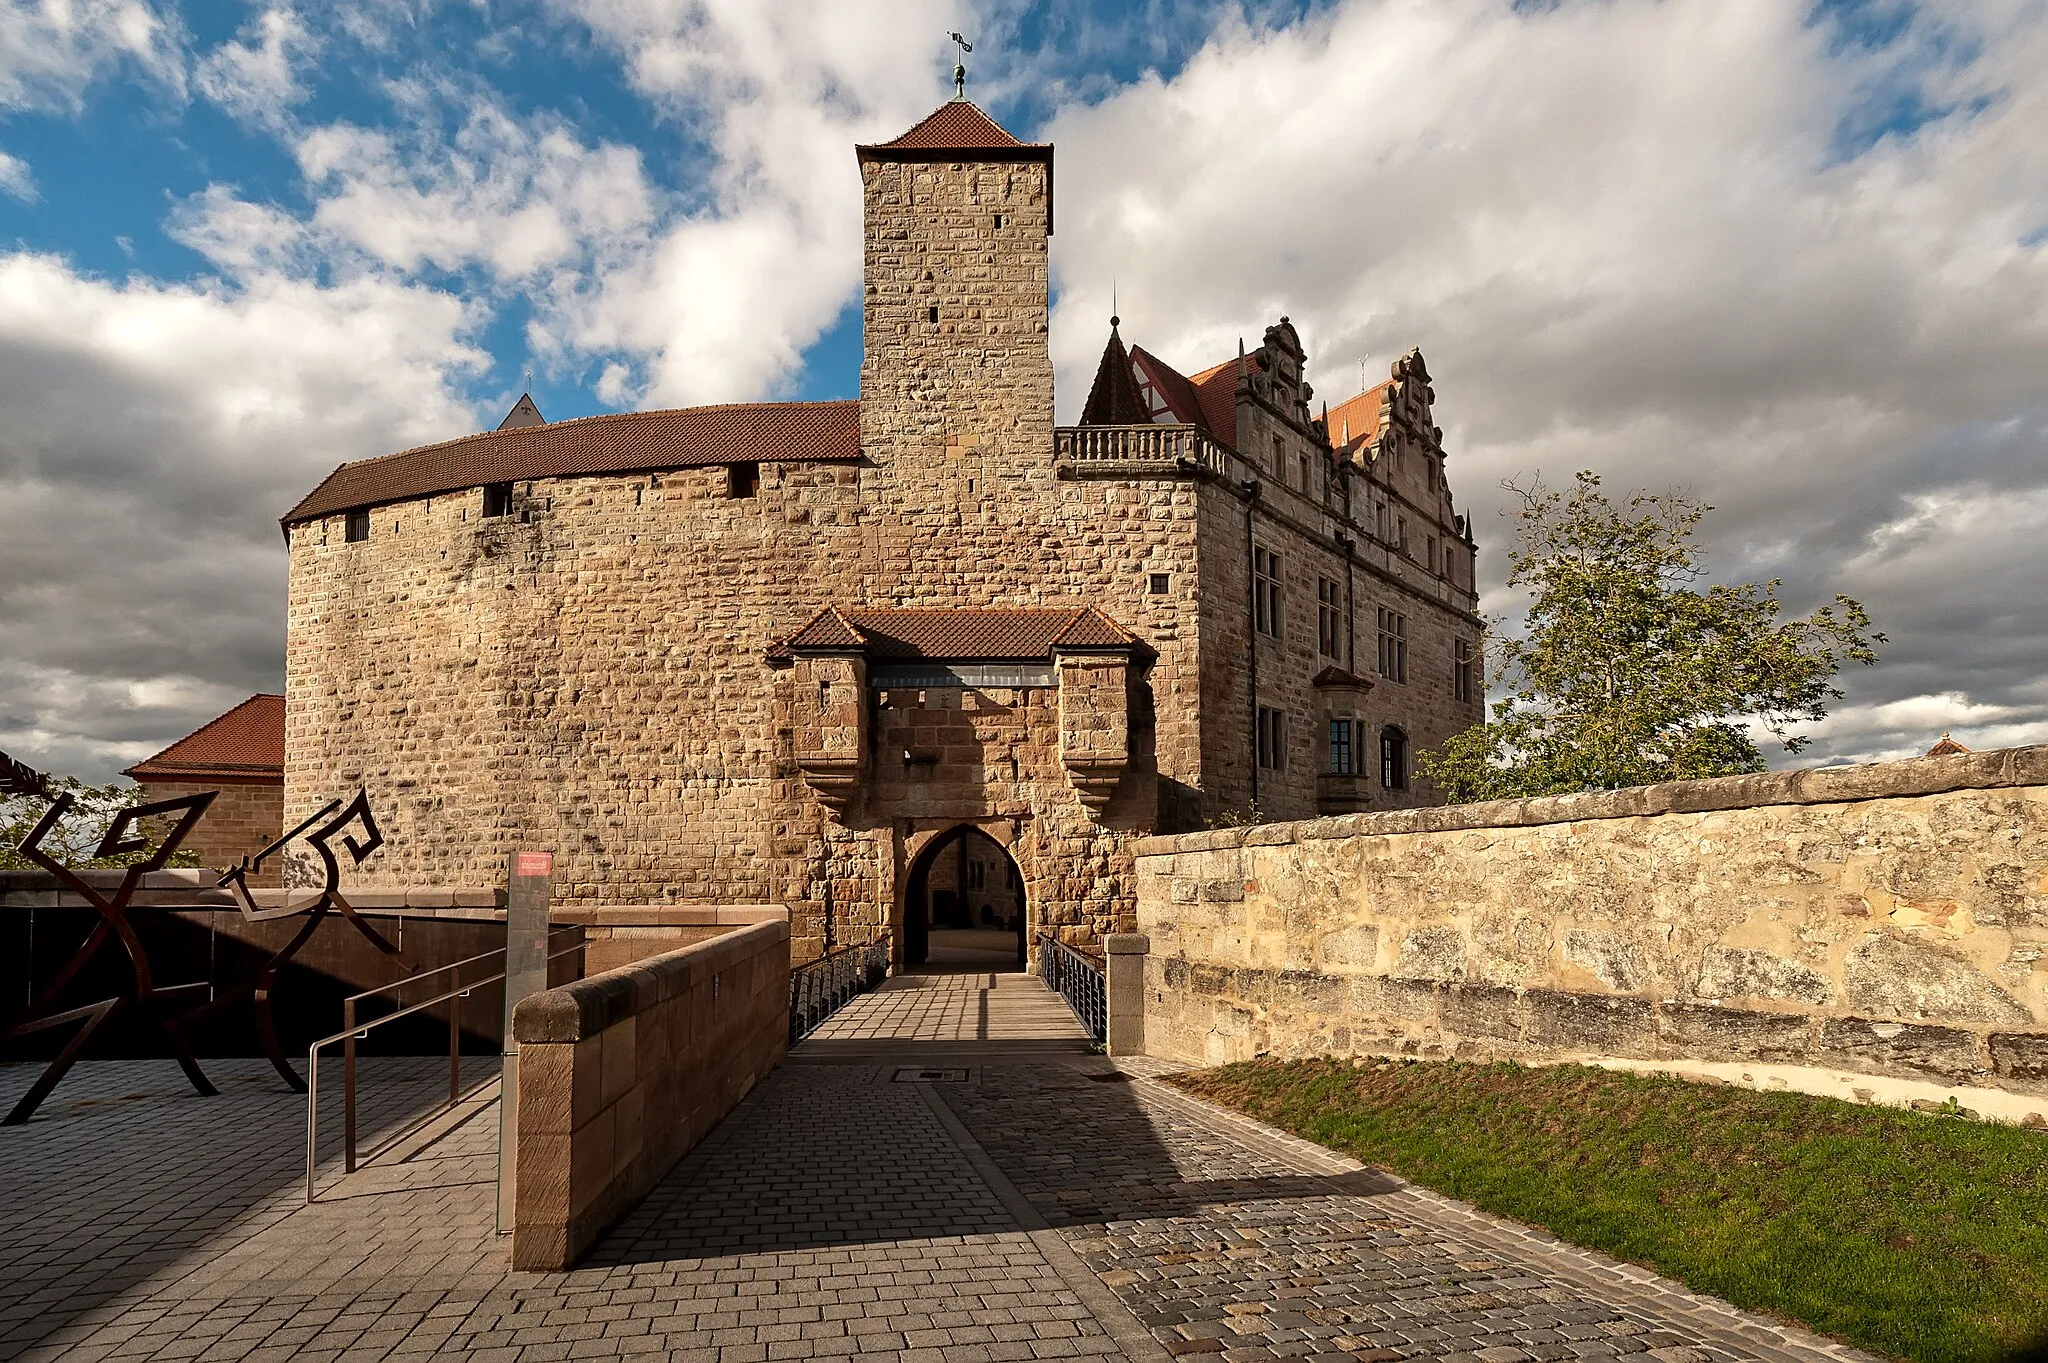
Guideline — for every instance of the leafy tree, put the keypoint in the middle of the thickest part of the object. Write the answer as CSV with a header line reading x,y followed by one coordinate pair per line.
x,y
77,835
1629,672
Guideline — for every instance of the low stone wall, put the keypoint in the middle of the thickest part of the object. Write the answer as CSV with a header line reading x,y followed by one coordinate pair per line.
x,y
621,934
1885,925
621,1073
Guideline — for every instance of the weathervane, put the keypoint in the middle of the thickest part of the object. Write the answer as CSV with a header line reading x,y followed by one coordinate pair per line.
x,y
960,67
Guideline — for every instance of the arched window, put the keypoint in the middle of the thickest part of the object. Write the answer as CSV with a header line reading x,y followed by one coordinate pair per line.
x,y
1393,758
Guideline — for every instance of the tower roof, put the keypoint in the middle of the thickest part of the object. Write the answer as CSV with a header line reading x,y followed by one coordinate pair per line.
x,y
1114,400
956,125
959,131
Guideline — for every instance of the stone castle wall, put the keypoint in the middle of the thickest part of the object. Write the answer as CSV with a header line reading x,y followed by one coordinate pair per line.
x,y
590,672
1887,921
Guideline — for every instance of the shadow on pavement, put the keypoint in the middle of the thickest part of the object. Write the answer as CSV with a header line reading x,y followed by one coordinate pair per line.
x,y
828,1155
125,1173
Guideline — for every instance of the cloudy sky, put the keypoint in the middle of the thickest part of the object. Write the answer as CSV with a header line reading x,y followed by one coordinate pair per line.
x,y
1792,259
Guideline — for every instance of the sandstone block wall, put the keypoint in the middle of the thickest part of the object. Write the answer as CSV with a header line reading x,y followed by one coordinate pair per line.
x,y
620,1074
1886,921
244,818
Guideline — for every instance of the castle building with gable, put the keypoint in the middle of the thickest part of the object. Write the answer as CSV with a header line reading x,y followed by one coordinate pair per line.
x,y
920,658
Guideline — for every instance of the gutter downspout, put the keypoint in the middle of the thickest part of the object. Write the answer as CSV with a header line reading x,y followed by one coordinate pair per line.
x,y
1250,488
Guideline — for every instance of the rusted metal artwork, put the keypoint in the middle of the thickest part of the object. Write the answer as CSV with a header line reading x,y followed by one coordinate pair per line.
x,y
321,830
124,836
331,823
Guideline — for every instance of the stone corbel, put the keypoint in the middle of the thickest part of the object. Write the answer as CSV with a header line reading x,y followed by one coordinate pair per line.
x,y
830,716
1095,722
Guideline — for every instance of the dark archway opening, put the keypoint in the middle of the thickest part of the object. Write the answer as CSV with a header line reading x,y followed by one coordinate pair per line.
x,y
963,907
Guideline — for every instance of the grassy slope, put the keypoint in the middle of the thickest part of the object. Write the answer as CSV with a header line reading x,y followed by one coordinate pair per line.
x,y
1919,1236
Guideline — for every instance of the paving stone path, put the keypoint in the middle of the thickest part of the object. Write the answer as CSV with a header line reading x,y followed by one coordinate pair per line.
x,y
943,1172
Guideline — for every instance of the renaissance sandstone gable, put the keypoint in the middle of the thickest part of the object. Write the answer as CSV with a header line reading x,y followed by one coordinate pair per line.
x,y
784,652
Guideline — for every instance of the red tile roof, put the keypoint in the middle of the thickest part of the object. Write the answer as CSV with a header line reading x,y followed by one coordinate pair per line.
x,y
958,124
685,437
1948,747
1180,395
1362,413
247,741
1003,633
1216,389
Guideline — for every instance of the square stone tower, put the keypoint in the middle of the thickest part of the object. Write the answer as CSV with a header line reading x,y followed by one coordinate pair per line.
x,y
956,379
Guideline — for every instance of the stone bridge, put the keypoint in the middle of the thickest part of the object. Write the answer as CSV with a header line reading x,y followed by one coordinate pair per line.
x,y
947,1170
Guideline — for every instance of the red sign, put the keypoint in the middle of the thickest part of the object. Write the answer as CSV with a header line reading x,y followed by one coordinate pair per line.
x,y
534,864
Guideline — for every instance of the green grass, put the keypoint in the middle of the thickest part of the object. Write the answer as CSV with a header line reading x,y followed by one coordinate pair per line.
x,y
1920,1236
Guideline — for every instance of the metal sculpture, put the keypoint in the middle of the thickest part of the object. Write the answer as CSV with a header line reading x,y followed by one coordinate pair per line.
x,y
257,987
123,837
321,831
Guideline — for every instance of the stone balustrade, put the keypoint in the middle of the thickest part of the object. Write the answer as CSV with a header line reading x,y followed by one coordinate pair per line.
x,y
1148,444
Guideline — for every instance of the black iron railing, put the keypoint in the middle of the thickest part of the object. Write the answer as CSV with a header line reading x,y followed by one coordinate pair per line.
x,y
1078,978
820,988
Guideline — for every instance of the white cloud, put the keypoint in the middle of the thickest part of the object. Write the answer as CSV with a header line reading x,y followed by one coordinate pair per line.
x,y
155,433
723,299
258,76
1634,238
51,51
15,178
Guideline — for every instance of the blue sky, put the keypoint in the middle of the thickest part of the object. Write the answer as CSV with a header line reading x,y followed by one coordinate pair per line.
x,y
1792,260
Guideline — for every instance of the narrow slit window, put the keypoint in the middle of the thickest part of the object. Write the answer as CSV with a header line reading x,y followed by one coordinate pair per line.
x,y
933,313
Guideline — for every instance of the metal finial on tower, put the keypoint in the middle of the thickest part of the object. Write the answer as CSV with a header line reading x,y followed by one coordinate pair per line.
x,y
1113,318
960,67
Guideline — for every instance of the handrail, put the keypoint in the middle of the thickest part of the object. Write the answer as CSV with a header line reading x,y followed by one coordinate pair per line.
x,y
1078,978
351,1033
821,987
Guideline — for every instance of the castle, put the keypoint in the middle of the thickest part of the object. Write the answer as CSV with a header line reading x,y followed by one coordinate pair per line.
x,y
920,658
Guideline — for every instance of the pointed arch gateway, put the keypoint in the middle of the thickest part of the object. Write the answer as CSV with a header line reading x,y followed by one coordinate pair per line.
x,y
964,904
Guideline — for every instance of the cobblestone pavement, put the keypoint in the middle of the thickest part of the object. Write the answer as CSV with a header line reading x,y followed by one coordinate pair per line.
x,y
946,1175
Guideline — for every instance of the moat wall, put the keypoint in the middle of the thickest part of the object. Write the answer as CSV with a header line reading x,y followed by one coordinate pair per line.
x,y
1887,921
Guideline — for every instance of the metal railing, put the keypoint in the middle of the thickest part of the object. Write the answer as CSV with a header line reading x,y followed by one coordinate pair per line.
x,y
1078,978
820,988
351,1032
1147,444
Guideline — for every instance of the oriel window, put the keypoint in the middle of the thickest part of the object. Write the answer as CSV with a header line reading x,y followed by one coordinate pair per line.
x,y
1342,759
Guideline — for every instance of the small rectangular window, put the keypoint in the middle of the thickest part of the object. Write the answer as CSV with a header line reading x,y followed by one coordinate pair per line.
x,y
1329,616
497,499
1393,759
933,313
1268,604
358,528
1272,738
999,222
1393,636
1160,584
742,480
1461,670
1341,759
